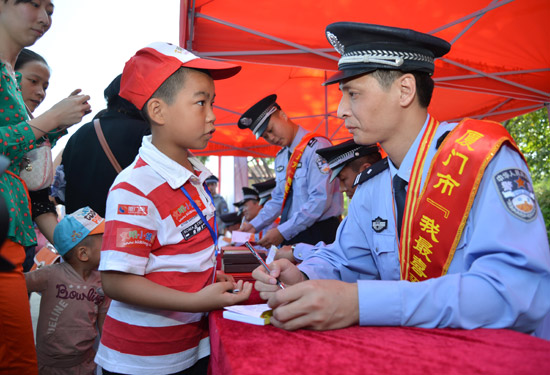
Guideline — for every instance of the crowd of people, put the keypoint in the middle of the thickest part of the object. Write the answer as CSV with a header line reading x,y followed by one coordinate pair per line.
x,y
443,228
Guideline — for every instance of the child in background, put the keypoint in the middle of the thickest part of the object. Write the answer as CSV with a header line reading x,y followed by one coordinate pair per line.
x,y
158,254
72,300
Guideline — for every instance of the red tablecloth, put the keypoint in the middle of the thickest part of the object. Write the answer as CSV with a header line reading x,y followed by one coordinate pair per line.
x,y
245,349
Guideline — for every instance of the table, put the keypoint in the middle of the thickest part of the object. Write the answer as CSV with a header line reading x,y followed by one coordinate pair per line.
x,y
245,349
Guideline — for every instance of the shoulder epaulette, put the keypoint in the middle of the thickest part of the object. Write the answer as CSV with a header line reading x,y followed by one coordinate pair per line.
x,y
369,173
441,139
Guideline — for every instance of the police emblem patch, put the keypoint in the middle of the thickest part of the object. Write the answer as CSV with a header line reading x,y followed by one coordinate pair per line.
x,y
379,224
516,193
322,165
280,168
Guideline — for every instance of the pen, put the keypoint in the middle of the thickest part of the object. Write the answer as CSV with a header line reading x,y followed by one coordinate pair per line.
x,y
259,258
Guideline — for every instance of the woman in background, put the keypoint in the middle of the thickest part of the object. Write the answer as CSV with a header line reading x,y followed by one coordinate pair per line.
x,y
22,23
34,81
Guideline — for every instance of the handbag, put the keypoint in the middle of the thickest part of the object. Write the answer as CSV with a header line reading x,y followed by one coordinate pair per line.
x,y
105,146
36,167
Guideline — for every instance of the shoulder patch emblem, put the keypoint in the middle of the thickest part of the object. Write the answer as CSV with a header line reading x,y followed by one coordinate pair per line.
x,y
516,193
312,142
379,224
322,165
280,168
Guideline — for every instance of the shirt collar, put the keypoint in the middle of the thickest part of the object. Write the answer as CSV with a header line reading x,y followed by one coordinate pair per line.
x,y
172,172
406,166
300,133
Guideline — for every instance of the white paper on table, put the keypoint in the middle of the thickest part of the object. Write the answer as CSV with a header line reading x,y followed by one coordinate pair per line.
x,y
271,254
239,237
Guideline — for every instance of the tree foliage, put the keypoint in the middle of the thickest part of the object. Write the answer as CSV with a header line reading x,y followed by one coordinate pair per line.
x,y
532,134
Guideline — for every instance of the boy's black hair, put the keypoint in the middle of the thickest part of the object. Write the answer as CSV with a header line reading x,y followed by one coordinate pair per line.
x,y
170,88
26,56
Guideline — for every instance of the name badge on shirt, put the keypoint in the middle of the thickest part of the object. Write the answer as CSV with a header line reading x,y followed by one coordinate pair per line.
x,y
192,230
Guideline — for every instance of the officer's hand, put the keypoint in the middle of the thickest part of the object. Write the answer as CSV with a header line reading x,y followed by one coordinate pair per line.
x,y
272,237
285,252
247,227
315,304
283,270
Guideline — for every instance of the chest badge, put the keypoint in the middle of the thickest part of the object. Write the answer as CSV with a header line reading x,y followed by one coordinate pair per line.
x,y
379,224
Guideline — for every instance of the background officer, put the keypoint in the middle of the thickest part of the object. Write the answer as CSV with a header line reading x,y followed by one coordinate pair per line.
x,y
309,205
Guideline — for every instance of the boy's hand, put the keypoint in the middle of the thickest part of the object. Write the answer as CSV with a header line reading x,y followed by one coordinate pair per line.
x,y
218,295
222,276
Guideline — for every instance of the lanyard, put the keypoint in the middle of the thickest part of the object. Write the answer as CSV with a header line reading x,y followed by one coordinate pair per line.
x,y
213,232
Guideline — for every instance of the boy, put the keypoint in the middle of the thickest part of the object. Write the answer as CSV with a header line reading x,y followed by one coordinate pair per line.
x,y
72,298
158,256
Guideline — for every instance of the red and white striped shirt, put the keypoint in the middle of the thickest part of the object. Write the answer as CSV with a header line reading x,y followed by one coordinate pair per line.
x,y
153,230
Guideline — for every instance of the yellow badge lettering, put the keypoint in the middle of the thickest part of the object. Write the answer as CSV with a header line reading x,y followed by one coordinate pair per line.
x,y
424,247
429,226
418,266
447,181
462,156
469,139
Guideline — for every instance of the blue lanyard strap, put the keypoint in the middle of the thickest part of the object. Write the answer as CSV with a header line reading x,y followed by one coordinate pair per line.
x,y
213,233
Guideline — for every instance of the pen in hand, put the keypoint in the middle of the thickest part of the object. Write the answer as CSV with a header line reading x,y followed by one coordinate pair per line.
x,y
259,258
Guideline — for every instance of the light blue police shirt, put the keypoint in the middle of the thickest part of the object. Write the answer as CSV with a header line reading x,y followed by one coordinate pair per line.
x,y
314,198
499,276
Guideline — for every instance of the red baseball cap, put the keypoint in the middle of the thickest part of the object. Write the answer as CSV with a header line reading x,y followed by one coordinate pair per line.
x,y
147,70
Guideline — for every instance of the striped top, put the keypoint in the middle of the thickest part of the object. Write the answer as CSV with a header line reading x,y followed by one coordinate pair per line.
x,y
153,230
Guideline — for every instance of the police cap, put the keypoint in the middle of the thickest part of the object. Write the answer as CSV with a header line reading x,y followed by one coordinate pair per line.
x,y
366,48
211,179
340,155
231,218
248,194
264,189
257,117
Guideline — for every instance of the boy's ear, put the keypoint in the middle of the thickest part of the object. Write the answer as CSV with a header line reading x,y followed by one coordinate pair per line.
x,y
82,253
155,110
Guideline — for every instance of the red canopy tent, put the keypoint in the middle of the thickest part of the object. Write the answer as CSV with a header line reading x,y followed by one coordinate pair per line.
x,y
498,67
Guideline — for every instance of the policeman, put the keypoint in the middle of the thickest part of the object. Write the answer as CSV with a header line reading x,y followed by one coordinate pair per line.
x,y
472,234
219,202
309,205
346,161
250,204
